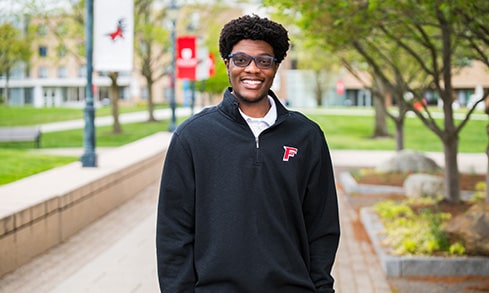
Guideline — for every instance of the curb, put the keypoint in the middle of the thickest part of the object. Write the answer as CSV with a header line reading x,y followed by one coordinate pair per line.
x,y
351,186
419,266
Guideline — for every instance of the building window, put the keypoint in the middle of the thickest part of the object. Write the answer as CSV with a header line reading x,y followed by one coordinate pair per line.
x,y
62,72
43,72
43,51
82,71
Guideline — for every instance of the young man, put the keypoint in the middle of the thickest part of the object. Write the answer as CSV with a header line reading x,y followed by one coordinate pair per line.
x,y
248,199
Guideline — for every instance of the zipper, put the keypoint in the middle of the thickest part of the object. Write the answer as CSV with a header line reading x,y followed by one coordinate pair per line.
x,y
257,140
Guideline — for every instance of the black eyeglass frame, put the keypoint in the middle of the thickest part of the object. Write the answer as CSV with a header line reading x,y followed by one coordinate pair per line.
x,y
253,58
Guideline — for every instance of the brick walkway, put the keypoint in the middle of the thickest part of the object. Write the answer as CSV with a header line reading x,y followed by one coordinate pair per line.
x,y
357,268
117,254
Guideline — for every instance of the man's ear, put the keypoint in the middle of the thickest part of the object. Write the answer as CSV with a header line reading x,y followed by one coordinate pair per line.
x,y
226,62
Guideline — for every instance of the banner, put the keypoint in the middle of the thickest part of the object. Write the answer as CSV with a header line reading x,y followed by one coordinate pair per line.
x,y
113,34
187,57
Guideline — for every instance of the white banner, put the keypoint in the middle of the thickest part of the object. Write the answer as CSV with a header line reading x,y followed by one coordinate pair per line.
x,y
113,30
204,63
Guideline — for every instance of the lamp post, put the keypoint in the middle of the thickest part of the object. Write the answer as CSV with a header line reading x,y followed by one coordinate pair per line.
x,y
89,158
172,13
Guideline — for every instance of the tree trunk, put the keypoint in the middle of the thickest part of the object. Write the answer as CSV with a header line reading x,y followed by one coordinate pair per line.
x,y
380,127
7,96
399,133
114,100
452,179
319,90
379,94
487,174
151,106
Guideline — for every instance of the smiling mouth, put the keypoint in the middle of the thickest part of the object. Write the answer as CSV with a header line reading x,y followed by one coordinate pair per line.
x,y
252,82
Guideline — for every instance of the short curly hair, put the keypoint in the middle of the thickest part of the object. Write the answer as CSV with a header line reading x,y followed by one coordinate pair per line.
x,y
253,27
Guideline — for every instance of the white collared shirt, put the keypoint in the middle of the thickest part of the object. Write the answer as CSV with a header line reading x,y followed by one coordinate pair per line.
x,y
257,125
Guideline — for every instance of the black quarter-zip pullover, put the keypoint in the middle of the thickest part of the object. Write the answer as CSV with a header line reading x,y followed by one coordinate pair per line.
x,y
234,216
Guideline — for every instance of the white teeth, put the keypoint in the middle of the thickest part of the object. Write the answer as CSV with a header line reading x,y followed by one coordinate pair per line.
x,y
251,81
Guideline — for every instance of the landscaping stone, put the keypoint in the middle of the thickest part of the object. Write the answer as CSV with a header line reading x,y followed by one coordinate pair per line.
x,y
409,161
423,185
472,229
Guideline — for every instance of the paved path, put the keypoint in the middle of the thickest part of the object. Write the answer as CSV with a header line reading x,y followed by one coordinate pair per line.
x,y
117,254
108,120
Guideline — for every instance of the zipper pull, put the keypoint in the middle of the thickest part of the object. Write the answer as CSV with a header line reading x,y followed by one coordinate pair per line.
x,y
257,140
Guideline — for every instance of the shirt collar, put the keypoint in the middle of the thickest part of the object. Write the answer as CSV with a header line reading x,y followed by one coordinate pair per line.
x,y
269,118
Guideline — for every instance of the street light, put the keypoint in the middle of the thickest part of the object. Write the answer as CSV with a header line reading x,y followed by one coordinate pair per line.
x,y
89,158
172,14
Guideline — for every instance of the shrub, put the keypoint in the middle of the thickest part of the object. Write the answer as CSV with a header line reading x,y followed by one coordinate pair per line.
x,y
414,226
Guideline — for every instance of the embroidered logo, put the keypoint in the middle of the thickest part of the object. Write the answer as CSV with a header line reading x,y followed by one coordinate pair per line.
x,y
289,152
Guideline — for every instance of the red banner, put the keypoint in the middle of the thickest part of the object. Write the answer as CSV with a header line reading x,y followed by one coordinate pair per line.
x,y
340,87
187,57
212,65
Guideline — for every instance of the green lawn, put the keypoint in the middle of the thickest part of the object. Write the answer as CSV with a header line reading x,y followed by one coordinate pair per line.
x,y
28,115
17,164
342,132
353,132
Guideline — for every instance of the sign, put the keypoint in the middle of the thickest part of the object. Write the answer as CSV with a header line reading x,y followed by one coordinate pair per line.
x,y
113,35
194,62
212,64
340,87
187,57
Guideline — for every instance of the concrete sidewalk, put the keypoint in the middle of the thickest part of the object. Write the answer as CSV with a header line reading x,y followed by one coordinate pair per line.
x,y
117,254
108,120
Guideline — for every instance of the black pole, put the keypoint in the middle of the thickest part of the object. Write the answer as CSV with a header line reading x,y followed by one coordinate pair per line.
x,y
89,158
173,122
192,101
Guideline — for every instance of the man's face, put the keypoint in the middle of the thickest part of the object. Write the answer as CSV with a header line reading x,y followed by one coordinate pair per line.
x,y
250,83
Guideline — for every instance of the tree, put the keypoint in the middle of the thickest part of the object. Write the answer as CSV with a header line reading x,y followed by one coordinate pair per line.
x,y
114,101
475,32
211,19
151,44
422,35
14,48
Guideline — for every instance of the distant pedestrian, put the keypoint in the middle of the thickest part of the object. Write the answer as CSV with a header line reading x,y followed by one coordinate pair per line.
x,y
248,199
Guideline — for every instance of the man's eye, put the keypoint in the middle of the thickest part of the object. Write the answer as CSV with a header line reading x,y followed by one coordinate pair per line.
x,y
264,61
241,59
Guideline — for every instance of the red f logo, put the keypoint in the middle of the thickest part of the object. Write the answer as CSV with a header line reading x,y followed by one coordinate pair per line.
x,y
289,152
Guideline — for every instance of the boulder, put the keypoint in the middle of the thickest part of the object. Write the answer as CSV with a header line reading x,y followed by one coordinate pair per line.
x,y
423,185
471,229
409,161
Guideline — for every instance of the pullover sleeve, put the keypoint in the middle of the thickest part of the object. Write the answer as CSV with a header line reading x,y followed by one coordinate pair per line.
x,y
175,221
320,208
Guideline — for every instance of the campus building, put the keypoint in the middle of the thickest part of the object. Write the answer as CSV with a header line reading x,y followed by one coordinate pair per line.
x,y
56,76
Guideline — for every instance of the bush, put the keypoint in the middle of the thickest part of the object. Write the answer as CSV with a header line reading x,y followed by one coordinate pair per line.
x,y
414,227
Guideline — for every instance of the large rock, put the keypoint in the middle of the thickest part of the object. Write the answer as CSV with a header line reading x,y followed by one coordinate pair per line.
x,y
409,161
472,229
423,185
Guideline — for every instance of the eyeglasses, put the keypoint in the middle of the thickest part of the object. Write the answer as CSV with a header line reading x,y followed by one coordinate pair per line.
x,y
243,60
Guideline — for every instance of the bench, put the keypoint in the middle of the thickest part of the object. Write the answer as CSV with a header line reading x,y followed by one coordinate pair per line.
x,y
21,133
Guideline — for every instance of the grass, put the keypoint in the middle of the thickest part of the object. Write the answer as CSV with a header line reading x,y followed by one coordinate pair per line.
x,y
28,115
17,164
342,132
353,132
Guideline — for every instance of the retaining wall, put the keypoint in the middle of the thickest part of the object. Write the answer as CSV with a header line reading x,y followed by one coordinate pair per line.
x,y
41,211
